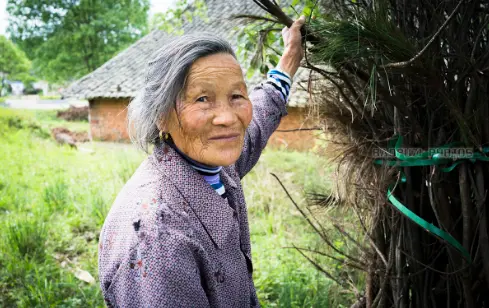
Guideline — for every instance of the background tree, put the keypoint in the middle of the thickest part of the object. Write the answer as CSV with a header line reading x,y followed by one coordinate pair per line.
x,y
183,11
68,39
14,64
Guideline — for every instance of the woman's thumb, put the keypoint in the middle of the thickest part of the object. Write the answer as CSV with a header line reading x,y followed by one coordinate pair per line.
x,y
300,21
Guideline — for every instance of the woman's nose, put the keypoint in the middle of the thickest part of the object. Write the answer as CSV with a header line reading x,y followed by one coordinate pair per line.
x,y
224,115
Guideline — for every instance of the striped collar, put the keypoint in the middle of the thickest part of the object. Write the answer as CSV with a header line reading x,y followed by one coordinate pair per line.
x,y
199,167
212,210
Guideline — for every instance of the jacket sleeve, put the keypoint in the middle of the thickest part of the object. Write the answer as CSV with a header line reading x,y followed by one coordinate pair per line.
x,y
269,106
161,272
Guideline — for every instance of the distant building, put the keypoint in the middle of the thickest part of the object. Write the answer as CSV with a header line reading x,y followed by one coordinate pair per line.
x,y
110,88
17,87
41,85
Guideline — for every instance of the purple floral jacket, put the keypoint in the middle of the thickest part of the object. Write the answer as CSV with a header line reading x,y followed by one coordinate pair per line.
x,y
170,240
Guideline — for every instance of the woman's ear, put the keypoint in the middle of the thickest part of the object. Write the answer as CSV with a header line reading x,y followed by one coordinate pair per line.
x,y
162,125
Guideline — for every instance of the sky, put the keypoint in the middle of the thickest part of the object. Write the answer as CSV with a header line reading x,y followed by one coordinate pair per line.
x,y
3,17
156,6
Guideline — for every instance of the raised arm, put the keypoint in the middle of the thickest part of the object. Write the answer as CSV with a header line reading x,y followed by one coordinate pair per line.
x,y
270,98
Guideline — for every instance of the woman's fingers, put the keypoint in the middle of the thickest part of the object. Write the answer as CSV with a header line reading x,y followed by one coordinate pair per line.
x,y
293,53
292,36
299,22
285,35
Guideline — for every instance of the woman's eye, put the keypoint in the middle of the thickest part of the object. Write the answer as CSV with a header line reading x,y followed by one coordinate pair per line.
x,y
202,99
237,96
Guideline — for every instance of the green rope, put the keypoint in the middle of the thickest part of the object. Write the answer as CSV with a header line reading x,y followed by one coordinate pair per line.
x,y
427,158
427,226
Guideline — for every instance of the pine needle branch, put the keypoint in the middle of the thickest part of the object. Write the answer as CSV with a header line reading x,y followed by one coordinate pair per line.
x,y
273,9
421,52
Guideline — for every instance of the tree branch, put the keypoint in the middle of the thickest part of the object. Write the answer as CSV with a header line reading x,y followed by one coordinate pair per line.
x,y
253,17
420,53
297,129
282,18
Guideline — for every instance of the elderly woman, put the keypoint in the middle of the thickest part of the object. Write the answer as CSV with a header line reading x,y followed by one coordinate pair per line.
x,y
177,234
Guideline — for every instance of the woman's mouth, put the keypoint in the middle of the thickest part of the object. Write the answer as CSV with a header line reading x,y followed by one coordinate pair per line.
x,y
225,137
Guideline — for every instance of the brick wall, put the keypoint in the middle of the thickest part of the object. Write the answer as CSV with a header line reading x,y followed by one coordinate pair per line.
x,y
108,119
297,140
108,123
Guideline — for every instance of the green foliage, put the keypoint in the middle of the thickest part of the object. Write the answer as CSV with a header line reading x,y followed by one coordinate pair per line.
x,y
369,38
48,119
68,39
53,206
26,77
184,11
262,40
283,277
12,60
11,122
56,195
32,283
14,64
26,237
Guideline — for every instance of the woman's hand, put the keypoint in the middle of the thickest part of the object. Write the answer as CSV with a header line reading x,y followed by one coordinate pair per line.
x,y
293,52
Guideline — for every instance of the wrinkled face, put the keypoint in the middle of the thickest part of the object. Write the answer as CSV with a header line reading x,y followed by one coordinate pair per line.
x,y
211,117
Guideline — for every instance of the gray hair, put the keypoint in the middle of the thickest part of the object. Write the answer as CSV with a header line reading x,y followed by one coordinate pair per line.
x,y
165,81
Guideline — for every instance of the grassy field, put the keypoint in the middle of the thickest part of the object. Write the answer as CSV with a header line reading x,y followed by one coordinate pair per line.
x,y
53,201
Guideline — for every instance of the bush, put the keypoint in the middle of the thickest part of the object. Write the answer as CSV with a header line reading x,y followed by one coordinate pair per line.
x,y
74,114
13,120
30,90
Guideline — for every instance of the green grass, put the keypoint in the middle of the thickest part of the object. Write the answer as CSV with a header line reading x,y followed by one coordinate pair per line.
x,y
282,276
50,97
48,119
53,201
26,237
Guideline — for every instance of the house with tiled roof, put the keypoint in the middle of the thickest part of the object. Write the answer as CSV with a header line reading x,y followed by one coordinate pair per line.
x,y
110,88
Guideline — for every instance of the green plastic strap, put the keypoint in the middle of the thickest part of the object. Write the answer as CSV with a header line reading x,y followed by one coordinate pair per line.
x,y
427,226
427,159
417,163
476,156
420,156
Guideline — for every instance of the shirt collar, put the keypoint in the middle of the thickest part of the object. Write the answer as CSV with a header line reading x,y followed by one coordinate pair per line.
x,y
200,167
213,212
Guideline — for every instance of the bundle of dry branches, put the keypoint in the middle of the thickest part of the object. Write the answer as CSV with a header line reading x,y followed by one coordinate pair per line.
x,y
416,70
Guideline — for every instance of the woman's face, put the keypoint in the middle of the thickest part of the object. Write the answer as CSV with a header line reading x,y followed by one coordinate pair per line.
x,y
213,113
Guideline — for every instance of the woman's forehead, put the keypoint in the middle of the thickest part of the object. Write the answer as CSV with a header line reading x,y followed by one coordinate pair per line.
x,y
210,75
215,71
217,63
211,71
209,82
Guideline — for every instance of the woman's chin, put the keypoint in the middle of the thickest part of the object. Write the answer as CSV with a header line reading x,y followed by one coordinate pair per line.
x,y
221,157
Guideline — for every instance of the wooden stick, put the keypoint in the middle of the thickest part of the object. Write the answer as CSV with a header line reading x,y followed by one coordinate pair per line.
x,y
467,232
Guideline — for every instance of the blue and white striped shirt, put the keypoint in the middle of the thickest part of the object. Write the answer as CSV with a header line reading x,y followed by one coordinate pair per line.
x,y
281,81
